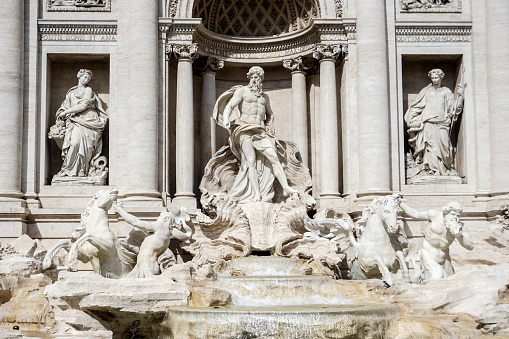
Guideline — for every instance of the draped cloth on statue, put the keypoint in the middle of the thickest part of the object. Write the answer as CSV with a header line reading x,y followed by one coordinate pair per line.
x,y
82,143
241,130
433,108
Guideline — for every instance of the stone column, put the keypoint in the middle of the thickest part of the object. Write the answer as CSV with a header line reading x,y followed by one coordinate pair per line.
x,y
298,67
329,142
373,99
143,100
11,99
12,204
184,195
497,44
208,100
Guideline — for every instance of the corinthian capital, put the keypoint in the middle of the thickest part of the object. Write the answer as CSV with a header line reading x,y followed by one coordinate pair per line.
x,y
189,52
327,51
298,64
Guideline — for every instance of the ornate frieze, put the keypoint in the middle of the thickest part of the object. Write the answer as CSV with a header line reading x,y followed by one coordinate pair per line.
x,y
327,51
433,33
298,64
431,6
58,31
78,5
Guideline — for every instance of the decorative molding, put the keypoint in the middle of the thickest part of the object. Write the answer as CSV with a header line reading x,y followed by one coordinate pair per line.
x,y
299,64
433,33
208,64
329,52
430,6
339,8
185,52
289,45
180,32
66,31
78,5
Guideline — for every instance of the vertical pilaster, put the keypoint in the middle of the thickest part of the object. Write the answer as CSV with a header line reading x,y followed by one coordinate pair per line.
x,y
497,44
11,99
208,100
373,98
184,195
299,67
329,142
142,111
12,204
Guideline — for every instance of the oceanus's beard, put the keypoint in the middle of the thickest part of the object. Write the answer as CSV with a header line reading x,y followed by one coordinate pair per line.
x,y
256,87
453,224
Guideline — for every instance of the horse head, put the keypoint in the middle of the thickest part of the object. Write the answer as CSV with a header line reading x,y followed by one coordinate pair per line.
x,y
387,211
104,199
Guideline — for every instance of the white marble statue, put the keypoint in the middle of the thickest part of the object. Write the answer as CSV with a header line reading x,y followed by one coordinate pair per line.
x,y
93,241
379,247
245,111
430,119
80,122
444,226
156,244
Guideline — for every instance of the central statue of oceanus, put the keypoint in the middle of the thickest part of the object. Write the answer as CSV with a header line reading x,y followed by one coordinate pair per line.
x,y
245,111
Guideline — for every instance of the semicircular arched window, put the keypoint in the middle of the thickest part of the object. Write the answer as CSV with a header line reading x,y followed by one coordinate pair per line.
x,y
255,18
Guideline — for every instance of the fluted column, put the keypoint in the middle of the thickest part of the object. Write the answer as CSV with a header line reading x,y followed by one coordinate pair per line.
x,y
497,44
143,101
184,195
373,98
11,99
208,100
299,66
329,142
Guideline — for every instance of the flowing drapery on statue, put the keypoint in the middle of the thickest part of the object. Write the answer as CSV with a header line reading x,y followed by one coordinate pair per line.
x,y
245,111
81,120
430,120
240,129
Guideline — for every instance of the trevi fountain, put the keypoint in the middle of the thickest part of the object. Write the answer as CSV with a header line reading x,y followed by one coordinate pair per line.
x,y
242,169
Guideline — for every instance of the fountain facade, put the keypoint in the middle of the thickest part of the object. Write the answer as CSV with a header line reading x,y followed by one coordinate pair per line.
x,y
338,156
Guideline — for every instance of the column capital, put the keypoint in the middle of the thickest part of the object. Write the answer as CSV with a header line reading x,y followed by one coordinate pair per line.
x,y
185,52
329,52
298,64
209,64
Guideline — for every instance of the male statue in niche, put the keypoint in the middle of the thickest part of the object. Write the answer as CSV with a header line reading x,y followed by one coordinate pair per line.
x,y
430,119
245,111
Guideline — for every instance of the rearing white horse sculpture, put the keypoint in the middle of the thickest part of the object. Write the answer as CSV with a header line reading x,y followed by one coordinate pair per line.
x,y
379,244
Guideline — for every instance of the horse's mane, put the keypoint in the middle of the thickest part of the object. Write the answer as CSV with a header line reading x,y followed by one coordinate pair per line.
x,y
82,228
369,211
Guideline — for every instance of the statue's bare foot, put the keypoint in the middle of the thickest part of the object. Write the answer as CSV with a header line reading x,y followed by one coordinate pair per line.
x,y
257,198
287,191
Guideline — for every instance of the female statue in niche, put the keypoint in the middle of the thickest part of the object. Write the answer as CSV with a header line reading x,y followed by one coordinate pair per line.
x,y
80,122
430,119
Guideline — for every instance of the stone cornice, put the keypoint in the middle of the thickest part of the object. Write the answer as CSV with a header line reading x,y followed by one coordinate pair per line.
x,y
76,31
433,33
